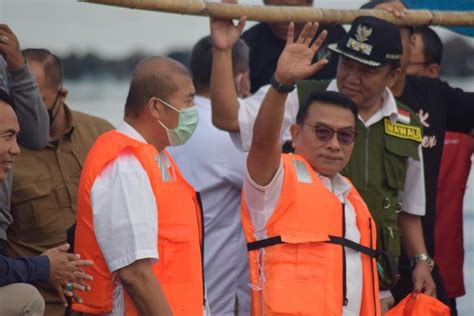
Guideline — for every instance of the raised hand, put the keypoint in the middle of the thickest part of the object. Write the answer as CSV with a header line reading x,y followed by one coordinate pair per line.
x,y
224,33
295,61
10,48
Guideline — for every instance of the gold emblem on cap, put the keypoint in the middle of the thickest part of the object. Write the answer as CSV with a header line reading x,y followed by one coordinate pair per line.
x,y
363,33
360,47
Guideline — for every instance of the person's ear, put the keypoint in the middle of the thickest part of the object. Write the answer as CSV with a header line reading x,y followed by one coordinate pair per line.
x,y
242,84
432,70
295,131
154,107
393,76
63,92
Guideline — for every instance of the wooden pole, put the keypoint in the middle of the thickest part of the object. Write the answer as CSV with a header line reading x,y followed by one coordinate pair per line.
x,y
286,14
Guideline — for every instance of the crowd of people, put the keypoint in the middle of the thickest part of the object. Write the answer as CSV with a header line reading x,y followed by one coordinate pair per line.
x,y
293,169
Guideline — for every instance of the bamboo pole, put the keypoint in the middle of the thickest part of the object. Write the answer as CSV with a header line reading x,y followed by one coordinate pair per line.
x,y
286,14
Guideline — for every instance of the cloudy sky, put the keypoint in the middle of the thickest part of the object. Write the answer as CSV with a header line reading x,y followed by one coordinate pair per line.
x,y
66,26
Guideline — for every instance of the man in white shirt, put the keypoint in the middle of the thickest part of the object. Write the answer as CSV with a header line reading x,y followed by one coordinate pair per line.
x,y
137,217
216,171
294,205
364,76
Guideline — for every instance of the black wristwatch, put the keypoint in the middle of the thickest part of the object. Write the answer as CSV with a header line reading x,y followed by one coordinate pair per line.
x,y
281,88
422,257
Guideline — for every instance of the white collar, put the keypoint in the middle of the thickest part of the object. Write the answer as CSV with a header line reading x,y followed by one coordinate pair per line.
x,y
127,130
389,106
337,185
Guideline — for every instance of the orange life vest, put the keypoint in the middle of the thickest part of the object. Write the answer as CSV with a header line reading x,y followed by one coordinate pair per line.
x,y
304,271
179,268
419,305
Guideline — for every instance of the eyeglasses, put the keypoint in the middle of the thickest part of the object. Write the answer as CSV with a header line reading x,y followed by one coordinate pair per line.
x,y
325,134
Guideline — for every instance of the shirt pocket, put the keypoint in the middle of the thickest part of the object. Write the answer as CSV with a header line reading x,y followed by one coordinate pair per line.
x,y
395,160
174,247
36,215
297,275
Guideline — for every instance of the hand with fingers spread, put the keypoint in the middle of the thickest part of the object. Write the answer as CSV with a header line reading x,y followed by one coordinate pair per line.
x,y
66,272
10,48
295,62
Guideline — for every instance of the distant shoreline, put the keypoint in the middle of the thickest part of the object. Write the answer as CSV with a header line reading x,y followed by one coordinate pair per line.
x,y
458,61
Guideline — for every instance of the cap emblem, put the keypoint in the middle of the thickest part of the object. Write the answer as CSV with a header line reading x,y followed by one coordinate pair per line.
x,y
363,33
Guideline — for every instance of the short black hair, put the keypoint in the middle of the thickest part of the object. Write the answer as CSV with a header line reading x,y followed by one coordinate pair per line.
x,y
433,46
52,65
200,62
326,97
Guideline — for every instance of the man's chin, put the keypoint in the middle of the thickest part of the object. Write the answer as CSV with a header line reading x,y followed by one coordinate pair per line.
x,y
327,172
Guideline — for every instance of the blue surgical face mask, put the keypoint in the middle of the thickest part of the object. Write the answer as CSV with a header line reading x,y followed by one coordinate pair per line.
x,y
187,123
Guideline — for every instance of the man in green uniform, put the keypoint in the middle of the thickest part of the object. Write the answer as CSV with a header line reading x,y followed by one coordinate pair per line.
x,y
386,165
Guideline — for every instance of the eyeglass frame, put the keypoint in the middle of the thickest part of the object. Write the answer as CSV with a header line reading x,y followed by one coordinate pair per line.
x,y
333,131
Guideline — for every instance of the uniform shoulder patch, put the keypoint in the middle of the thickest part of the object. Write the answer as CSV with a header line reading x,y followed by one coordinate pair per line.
x,y
403,116
402,130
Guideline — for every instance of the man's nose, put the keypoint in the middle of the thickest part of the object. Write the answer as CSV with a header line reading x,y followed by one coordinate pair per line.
x,y
353,77
333,144
14,149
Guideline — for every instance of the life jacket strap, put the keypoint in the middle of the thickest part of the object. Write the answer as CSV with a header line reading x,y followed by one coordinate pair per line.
x,y
391,264
271,241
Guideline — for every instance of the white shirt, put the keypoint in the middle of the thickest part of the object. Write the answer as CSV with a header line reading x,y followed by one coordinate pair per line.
x,y
412,197
215,168
124,214
262,200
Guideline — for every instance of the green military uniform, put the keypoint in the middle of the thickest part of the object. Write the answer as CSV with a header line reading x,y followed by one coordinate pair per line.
x,y
378,167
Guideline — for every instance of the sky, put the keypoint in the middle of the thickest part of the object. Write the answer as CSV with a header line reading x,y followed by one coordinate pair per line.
x,y
66,26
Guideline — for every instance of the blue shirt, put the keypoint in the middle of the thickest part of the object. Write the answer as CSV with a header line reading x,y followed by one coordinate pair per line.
x,y
23,270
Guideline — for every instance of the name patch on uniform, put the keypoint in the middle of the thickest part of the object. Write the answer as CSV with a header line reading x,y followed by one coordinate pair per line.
x,y
402,130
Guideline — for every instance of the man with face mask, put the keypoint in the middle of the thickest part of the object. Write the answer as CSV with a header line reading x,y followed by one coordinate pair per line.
x,y
45,182
137,217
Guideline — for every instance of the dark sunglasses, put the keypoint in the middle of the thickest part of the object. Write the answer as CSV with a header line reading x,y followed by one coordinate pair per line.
x,y
325,134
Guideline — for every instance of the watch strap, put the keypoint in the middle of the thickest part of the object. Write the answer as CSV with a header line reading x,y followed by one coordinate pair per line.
x,y
422,257
281,88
